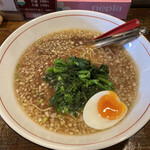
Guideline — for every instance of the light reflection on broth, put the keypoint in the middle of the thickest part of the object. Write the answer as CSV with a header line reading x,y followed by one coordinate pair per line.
x,y
33,93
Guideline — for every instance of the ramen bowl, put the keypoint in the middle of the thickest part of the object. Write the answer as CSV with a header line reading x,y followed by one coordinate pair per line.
x,y
19,40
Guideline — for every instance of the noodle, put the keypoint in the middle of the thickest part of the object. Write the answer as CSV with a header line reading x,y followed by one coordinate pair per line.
x,y
41,109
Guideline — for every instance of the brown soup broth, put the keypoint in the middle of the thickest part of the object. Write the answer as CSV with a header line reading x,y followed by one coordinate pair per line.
x,y
33,93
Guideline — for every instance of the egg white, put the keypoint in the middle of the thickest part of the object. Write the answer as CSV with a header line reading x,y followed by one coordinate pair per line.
x,y
92,117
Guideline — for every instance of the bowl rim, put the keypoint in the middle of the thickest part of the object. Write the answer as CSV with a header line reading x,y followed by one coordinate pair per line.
x,y
59,14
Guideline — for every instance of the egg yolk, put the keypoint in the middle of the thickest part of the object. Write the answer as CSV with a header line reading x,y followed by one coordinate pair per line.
x,y
110,107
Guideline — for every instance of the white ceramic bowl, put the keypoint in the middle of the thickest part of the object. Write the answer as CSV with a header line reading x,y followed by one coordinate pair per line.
x,y
19,40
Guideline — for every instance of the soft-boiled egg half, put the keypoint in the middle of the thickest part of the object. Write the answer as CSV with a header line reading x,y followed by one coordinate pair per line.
x,y
104,110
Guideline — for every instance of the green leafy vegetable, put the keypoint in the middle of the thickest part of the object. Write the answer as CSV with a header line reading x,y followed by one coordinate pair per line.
x,y
75,81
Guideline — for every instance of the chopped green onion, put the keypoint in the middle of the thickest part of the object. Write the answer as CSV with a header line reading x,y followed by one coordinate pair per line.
x,y
17,66
58,116
37,54
16,76
44,120
37,93
41,100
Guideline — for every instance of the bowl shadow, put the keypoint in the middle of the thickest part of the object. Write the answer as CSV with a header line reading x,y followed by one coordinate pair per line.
x,y
119,146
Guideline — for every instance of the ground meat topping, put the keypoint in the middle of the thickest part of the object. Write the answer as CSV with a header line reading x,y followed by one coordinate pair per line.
x,y
33,93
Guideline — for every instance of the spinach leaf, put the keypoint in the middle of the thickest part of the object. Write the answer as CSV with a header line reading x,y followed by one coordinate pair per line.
x,y
75,81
